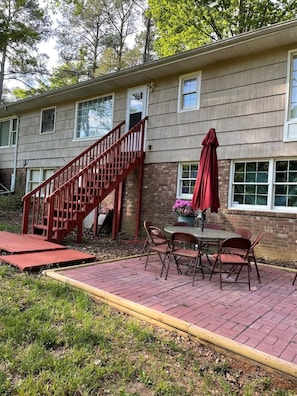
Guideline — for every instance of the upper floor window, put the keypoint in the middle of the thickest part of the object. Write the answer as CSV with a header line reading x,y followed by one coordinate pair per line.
x,y
187,174
8,132
94,117
264,185
290,130
48,119
189,92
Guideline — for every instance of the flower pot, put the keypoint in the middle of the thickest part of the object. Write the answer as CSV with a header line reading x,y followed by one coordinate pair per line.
x,y
187,219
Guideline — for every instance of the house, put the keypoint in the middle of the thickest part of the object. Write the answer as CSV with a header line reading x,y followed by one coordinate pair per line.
x,y
244,87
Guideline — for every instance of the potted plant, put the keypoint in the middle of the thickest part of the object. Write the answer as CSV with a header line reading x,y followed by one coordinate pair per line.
x,y
184,211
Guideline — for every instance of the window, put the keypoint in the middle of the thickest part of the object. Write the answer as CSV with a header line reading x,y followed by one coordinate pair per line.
x,y
290,129
189,92
94,117
37,176
48,117
8,131
264,185
187,175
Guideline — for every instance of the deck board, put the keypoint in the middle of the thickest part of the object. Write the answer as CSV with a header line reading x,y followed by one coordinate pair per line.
x,y
27,252
17,243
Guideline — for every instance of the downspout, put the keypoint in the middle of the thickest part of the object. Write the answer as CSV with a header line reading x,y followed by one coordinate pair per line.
x,y
13,176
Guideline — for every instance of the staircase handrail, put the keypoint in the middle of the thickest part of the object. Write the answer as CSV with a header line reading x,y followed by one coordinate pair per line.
x,y
101,144
94,162
44,189
119,156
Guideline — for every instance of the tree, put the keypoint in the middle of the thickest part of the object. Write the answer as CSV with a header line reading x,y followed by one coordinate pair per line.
x,y
23,25
181,25
99,33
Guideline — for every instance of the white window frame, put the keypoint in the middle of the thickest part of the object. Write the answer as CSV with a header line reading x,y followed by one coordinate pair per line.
x,y
41,173
196,91
42,120
77,115
12,133
180,179
290,125
271,183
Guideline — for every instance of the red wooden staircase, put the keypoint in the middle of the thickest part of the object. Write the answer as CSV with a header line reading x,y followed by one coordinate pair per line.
x,y
59,204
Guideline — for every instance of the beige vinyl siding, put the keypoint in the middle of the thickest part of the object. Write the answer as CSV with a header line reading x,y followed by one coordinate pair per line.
x,y
58,148
243,99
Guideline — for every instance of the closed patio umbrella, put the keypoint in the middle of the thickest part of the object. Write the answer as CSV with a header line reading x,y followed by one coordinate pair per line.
x,y
206,194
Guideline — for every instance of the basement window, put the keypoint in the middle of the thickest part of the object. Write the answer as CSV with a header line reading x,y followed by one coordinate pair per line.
x,y
187,174
264,185
37,176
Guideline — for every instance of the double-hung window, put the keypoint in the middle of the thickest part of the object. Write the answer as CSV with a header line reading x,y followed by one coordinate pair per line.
x,y
290,128
94,117
187,174
264,185
37,176
8,131
48,118
189,92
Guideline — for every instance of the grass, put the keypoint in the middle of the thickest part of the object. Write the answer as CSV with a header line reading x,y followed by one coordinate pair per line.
x,y
55,340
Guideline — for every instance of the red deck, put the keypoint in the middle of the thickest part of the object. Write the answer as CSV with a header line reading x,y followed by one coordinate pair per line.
x,y
25,252
16,243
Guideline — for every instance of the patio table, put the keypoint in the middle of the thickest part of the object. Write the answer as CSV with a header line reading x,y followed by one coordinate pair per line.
x,y
208,234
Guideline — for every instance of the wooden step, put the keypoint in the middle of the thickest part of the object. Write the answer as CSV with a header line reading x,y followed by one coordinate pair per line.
x,y
45,259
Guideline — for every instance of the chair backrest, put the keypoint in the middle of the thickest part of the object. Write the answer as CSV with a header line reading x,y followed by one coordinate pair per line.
x,y
157,236
256,241
180,224
146,225
244,232
184,238
243,244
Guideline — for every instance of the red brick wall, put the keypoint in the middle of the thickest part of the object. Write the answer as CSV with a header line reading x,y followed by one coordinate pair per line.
x,y
159,193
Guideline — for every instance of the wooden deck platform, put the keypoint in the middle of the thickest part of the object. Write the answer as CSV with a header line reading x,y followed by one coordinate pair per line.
x,y
30,252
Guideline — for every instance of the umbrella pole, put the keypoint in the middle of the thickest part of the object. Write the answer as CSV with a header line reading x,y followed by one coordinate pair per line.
x,y
203,215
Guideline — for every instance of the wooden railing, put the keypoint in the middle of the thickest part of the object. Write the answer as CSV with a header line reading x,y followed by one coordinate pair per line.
x,y
61,203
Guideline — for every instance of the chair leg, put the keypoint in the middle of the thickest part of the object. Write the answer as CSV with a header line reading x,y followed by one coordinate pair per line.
x,y
198,260
143,248
213,268
294,279
257,269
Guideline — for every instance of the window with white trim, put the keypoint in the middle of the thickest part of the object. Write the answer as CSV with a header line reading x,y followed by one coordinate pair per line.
x,y
189,92
48,119
94,117
8,131
290,128
264,185
36,176
187,174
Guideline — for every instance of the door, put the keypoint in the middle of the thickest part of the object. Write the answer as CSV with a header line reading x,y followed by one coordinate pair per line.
x,y
136,105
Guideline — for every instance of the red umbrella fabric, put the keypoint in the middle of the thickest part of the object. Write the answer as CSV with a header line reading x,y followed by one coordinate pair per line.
x,y
206,194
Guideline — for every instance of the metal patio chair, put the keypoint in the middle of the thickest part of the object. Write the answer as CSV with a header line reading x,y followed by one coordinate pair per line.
x,y
158,243
184,252
146,225
227,256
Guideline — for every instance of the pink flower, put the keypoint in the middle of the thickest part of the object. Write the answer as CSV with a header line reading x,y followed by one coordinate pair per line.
x,y
183,208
